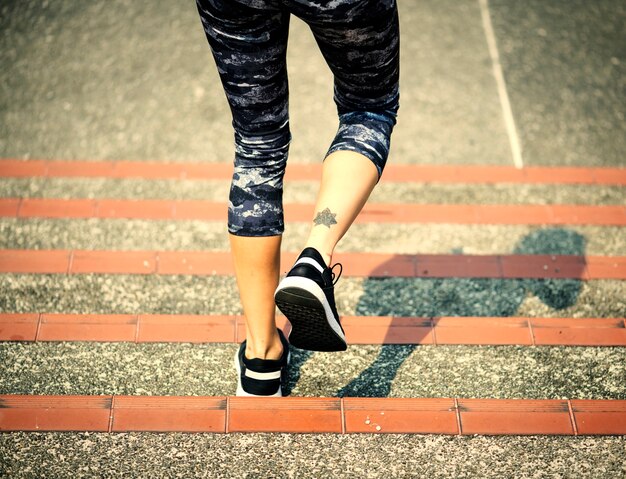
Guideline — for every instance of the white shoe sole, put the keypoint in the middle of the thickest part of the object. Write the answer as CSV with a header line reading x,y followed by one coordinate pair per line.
x,y
314,326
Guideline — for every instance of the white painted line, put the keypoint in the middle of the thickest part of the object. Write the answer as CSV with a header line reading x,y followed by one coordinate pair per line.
x,y
502,93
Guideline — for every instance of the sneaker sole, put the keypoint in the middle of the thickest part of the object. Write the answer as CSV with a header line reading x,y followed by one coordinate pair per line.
x,y
240,391
313,325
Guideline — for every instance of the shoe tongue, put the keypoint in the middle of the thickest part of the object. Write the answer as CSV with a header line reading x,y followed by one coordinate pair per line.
x,y
310,252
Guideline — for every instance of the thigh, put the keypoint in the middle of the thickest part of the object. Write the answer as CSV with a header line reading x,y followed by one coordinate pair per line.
x,y
248,40
360,41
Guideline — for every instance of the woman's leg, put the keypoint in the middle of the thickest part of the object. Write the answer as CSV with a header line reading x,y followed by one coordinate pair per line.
x,y
360,42
257,263
249,47
348,178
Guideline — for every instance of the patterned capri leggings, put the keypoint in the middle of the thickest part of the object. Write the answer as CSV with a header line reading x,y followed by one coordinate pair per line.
x,y
359,39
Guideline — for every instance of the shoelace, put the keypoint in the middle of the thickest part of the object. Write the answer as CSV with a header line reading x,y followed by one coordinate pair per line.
x,y
335,277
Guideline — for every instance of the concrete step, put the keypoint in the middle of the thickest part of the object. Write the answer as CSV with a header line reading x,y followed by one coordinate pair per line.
x,y
134,454
409,371
306,191
422,297
190,235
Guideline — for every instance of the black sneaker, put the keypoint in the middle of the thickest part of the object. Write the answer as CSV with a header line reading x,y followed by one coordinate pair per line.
x,y
306,296
261,377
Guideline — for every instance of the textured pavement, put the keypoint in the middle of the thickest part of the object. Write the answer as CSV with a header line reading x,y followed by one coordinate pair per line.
x,y
500,372
286,455
427,297
122,81
565,70
400,238
306,191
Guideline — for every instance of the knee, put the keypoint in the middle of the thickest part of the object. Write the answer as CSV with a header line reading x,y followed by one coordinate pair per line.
x,y
255,206
368,133
262,144
260,161
382,102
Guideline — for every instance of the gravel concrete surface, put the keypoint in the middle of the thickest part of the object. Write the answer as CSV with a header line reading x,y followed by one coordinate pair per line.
x,y
501,372
123,82
306,191
70,455
564,67
426,297
370,237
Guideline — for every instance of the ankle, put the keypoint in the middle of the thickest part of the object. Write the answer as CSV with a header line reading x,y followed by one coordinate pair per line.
x,y
272,349
327,255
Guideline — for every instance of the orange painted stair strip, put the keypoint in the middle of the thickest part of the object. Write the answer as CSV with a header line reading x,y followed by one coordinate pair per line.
x,y
225,414
144,328
607,215
393,172
355,264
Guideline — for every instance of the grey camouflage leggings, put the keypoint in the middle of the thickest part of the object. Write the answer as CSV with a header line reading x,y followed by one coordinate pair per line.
x,y
359,39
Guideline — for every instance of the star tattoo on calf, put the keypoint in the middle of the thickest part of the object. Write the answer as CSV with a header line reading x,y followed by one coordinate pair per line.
x,y
325,217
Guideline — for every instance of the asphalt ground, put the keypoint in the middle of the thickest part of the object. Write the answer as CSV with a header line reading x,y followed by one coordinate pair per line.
x,y
161,98
565,71
117,80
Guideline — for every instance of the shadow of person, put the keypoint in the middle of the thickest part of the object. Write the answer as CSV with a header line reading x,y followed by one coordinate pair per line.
x,y
434,297
556,293
298,358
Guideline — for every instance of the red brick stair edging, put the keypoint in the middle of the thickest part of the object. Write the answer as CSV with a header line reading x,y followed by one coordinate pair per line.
x,y
355,264
104,208
224,414
144,328
10,167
